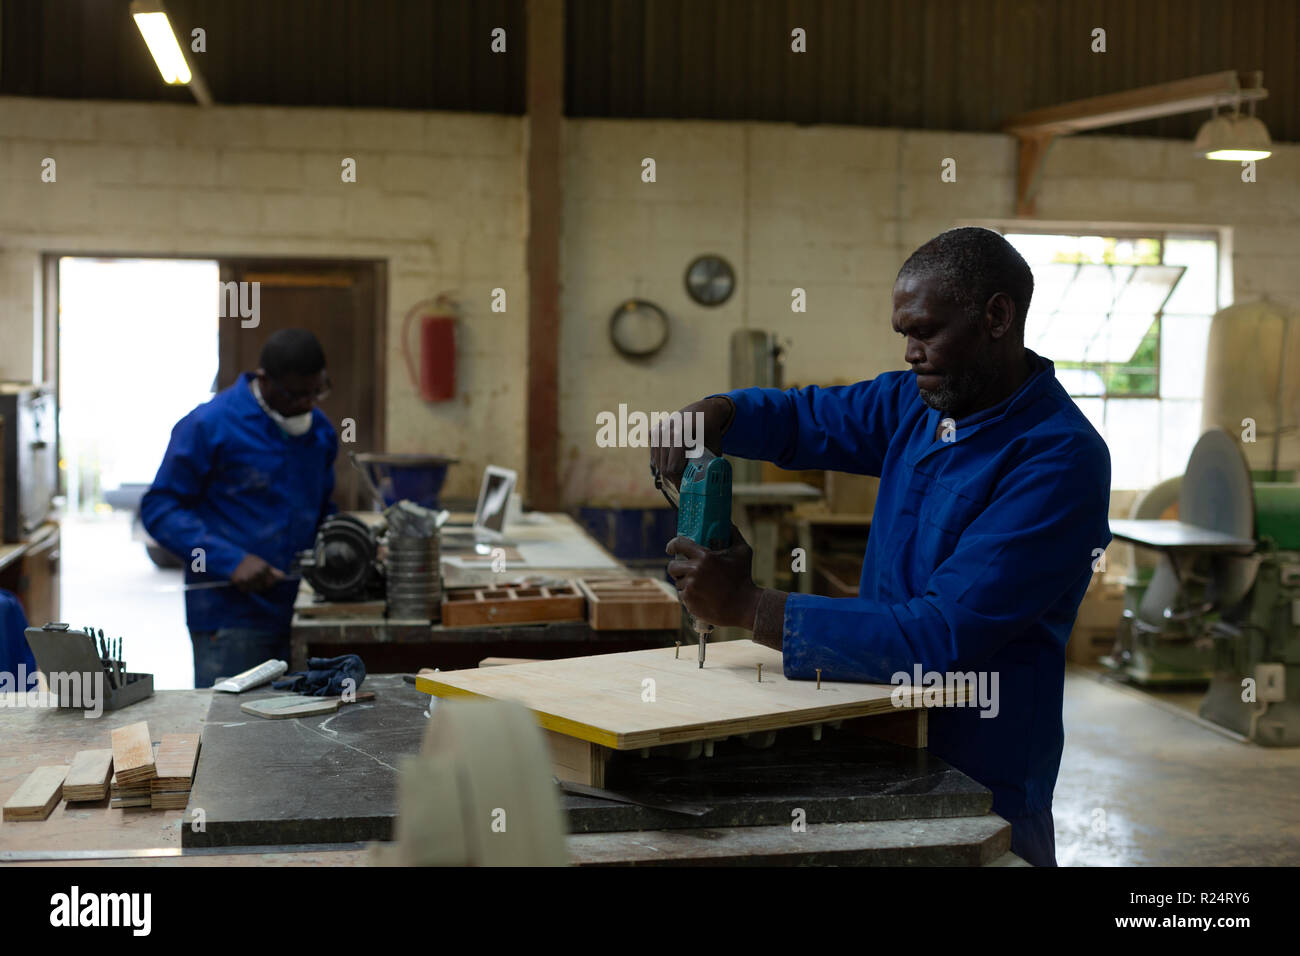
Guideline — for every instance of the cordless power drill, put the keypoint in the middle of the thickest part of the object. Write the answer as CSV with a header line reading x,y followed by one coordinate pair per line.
x,y
704,513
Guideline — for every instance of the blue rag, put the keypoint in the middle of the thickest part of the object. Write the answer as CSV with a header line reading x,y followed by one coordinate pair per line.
x,y
324,676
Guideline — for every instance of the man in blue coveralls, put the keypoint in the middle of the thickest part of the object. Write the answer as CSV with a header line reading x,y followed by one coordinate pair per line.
x,y
993,500
245,482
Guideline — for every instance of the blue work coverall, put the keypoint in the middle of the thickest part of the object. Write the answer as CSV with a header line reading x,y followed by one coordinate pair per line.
x,y
14,650
979,554
234,483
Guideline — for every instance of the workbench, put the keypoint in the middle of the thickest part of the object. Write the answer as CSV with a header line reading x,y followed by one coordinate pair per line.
x,y
548,545
312,791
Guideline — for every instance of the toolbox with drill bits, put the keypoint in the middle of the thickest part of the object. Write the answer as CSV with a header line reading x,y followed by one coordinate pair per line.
x,y
70,658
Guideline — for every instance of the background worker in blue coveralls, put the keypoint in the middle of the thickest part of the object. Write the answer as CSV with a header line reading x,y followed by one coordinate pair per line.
x,y
993,500
246,480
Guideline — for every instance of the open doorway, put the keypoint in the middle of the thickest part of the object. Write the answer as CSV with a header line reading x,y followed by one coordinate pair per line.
x,y
140,345
138,350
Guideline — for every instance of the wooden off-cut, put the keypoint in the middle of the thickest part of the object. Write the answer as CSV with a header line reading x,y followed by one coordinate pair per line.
x,y
37,796
133,754
88,776
178,756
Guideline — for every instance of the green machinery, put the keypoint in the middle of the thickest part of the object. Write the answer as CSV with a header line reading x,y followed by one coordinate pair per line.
x,y
1223,604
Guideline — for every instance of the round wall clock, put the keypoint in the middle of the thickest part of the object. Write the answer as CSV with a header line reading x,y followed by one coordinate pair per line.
x,y
710,280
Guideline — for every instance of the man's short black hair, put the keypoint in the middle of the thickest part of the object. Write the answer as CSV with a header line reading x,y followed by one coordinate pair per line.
x,y
969,266
291,352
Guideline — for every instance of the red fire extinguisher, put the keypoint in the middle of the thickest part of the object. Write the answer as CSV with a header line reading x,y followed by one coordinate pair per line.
x,y
436,379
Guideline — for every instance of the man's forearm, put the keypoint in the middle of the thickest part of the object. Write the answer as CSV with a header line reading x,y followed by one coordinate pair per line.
x,y
182,531
769,619
730,415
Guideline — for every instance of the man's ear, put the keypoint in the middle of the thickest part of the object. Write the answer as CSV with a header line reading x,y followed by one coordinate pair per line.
x,y
1000,314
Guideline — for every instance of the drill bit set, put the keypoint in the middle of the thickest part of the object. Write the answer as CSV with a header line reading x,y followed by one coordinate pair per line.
x,y
84,669
110,656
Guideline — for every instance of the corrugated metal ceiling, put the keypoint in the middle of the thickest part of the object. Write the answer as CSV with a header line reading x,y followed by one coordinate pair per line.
x,y
931,64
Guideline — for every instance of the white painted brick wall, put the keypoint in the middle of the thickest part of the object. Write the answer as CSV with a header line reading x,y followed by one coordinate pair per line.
x,y
440,196
823,206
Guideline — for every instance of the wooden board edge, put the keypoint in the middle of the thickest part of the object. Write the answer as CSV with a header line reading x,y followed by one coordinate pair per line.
x,y
562,725
742,725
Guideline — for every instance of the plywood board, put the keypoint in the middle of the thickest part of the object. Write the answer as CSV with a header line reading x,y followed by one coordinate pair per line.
x,y
511,604
37,795
133,758
89,775
139,788
631,604
119,789
178,754
605,699
169,800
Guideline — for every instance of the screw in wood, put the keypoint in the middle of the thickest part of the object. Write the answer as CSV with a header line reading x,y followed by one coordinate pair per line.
x,y
819,678
760,672
678,653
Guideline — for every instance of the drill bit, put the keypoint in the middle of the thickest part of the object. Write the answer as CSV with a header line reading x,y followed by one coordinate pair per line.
x,y
703,630
665,487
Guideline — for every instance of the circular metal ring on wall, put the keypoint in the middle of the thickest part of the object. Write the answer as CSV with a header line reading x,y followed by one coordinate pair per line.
x,y
638,328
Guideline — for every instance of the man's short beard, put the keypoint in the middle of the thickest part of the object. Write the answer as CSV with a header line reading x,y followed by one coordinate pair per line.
x,y
959,392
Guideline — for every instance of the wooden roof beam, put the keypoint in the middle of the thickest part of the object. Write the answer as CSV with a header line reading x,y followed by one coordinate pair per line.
x,y
1037,129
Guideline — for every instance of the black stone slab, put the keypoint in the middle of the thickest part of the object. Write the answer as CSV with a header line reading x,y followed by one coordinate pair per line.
x,y
325,779
841,778
333,778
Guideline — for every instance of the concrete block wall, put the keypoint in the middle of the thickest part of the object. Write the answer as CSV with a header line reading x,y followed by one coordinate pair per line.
x,y
439,196
835,211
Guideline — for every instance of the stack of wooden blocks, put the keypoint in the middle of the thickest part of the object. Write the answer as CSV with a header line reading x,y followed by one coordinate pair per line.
x,y
178,755
130,796
145,778
88,776
133,758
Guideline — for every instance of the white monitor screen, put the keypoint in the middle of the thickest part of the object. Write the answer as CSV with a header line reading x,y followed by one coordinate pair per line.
x,y
495,495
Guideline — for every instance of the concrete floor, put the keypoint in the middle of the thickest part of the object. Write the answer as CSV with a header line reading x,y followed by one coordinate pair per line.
x,y
108,581
1146,785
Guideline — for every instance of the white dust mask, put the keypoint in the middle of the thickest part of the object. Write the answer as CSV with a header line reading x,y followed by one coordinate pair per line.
x,y
295,425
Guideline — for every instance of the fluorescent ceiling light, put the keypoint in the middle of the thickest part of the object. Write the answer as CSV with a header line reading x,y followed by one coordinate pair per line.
x,y
157,32
1234,137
